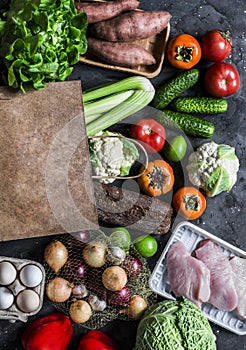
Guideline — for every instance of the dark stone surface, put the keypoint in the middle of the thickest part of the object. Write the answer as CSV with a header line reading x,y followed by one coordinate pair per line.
x,y
225,215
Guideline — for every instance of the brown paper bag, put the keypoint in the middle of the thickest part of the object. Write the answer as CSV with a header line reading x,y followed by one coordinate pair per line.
x,y
45,175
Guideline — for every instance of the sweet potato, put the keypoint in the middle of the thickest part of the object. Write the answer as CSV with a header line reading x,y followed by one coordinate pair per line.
x,y
101,11
121,54
131,26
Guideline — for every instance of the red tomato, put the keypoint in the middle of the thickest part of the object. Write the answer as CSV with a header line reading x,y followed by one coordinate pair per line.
x,y
216,45
150,133
221,79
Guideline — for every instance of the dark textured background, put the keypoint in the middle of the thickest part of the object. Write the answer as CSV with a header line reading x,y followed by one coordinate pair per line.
x,y
225,215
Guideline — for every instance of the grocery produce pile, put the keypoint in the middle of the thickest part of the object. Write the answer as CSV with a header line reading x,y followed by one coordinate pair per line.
x,y
96,277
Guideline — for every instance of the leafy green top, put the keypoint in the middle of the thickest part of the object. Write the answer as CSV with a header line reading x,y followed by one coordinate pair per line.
x,y
175,325
40,40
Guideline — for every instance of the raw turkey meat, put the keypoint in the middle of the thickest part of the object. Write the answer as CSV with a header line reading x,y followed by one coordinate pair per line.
x,y
223,292
187,276
239,274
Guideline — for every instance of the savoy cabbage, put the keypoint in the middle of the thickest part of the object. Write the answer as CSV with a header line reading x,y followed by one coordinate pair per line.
x,y
174,325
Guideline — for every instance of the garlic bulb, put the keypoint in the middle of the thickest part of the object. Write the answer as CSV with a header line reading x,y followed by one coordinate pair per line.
x,y
116,255
96,304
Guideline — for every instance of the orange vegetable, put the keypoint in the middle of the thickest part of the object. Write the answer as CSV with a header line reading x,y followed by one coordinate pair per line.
x,y
189,202
184,51
157,179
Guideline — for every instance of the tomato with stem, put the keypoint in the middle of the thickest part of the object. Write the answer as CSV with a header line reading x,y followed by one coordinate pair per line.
x,y
216,45
150,133
222,79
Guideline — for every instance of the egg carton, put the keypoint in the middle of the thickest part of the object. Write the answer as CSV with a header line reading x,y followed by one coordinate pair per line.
x,y
14,313
191,235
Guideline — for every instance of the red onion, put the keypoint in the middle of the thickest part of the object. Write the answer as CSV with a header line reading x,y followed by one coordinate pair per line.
x,y
94,282
74,269
80,269
82,236
120,297
132,265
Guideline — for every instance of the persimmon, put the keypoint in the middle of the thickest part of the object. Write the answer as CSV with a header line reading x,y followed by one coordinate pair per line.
x,y
157,179
184,51
189,203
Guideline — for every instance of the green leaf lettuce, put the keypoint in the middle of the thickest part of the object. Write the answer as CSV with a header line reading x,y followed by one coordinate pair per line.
x,y
40,40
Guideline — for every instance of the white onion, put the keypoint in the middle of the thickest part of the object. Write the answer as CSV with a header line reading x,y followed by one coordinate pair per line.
x,y
80,311
114,278
56,255
58,290
95,254
136,307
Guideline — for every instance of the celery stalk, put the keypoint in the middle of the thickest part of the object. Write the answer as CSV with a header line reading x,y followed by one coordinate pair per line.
x,y
115,102
94,109
131,83
133,104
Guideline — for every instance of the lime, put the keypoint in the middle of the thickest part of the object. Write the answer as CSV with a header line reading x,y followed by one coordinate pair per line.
x,y
146,246
120,237
176,149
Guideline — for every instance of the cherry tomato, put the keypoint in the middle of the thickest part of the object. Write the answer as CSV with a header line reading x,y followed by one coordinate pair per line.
x,y
189,203
221,79
150,133
216,45
184,51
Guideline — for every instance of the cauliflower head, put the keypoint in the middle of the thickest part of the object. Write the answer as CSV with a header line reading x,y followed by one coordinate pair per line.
x,y
111,156
213,167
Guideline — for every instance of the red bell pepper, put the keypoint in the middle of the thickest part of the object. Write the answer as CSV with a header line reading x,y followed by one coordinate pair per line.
x,y
97,340
50,332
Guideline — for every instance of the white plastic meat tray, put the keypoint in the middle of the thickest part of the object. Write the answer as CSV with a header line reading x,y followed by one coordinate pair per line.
x,y
190,235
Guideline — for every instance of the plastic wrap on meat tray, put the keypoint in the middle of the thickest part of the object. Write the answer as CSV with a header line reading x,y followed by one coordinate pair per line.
x,y
191,235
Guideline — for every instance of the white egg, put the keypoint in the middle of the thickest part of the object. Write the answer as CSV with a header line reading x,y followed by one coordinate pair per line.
x,y
6,298
31,275
27,300
7,273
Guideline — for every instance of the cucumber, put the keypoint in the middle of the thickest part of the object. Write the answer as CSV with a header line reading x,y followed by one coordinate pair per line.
x,y
191,125
208,105
173,88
